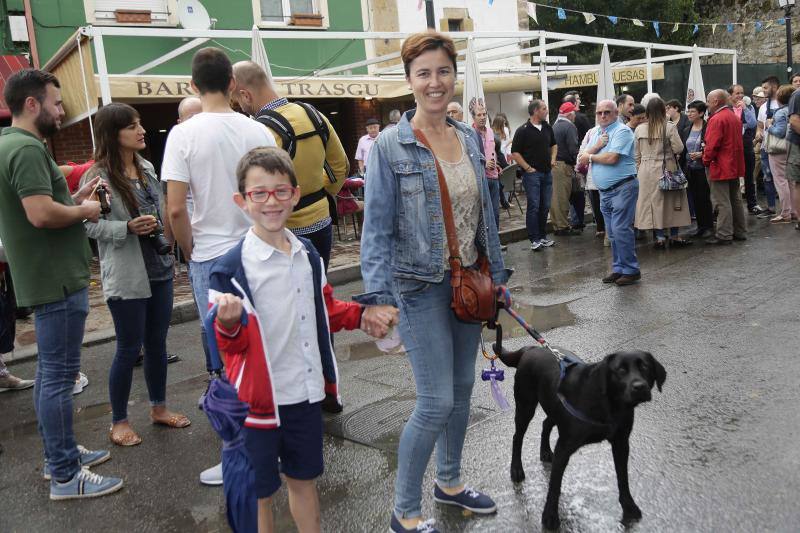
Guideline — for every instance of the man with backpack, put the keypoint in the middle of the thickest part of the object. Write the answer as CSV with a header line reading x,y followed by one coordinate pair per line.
x,y
316,151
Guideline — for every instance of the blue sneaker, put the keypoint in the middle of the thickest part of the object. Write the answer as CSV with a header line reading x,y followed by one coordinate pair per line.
x,y
84,484
422,527
469,499
88,458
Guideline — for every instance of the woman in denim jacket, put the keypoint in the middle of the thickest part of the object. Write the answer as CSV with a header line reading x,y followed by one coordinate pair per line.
x,y
136,277
404,264
779,125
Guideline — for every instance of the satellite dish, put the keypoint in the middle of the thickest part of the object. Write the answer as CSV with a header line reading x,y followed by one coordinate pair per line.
x,y
192,15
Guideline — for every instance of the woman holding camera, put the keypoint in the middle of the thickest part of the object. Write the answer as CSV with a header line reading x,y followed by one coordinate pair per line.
x,y
136,266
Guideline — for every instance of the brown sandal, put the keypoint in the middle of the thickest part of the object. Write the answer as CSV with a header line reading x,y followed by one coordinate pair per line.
x,y
173,421
128,438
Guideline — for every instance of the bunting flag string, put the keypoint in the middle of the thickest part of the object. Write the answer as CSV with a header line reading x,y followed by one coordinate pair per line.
x,y
563,13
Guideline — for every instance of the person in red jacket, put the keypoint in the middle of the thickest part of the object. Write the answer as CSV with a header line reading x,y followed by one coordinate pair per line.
x,y
723,156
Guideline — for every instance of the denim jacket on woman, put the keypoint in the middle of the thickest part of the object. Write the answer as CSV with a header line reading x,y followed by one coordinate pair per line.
x,y
780,122
404,235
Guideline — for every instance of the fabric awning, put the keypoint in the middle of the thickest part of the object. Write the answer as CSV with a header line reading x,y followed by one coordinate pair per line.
x,y
8,66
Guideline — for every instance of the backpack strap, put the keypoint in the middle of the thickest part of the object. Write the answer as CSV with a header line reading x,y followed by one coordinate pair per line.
x,y
278,123
320,126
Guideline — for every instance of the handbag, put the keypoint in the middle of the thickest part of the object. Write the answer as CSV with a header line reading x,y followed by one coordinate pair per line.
x,y
474,296
775,145
671,180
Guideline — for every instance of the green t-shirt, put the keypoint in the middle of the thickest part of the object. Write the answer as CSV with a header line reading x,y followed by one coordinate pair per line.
x,y
46,264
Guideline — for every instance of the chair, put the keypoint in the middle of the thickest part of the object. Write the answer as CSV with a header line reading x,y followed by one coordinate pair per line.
x,y
508,178
348,204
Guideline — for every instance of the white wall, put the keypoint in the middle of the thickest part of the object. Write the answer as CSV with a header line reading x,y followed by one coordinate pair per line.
x,y
500,16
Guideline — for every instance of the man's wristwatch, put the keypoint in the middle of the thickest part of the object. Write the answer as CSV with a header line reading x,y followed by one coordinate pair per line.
x,y
590,157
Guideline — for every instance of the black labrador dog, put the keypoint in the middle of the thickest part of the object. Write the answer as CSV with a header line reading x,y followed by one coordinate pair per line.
x,y
588,403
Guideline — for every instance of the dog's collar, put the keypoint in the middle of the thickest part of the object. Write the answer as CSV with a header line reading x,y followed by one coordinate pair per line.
x,y
565,363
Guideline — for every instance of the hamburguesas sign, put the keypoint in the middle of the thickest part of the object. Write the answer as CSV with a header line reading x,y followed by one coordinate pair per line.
x,y
620,75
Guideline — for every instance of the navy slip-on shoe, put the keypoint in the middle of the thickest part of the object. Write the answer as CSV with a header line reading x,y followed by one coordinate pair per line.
x,y
422,527
469,499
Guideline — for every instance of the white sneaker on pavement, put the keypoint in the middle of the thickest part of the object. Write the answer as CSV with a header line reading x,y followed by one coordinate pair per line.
x,y
212,477
80,383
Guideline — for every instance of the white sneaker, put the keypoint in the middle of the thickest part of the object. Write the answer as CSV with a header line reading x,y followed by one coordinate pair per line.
x,y
536,245
212,476
547,243
80,383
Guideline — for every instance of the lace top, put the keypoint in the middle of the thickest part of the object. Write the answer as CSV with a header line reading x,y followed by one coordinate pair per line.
x,y
465,198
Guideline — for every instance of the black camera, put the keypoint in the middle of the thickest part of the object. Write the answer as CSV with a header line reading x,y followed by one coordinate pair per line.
x,y
156,237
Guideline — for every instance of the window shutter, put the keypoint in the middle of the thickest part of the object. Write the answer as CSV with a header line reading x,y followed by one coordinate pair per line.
x,y
104,9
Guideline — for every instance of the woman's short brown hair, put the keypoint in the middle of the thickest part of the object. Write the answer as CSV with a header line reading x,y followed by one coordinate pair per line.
x,y
784,93
417,44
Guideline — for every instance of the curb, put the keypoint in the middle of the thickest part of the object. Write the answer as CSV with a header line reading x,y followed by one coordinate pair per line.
x,y
186,311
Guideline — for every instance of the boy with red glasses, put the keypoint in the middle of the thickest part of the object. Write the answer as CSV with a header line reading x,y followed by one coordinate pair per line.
x,y
282,361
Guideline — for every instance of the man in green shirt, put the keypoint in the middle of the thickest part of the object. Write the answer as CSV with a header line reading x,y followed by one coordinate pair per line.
x,y
41,227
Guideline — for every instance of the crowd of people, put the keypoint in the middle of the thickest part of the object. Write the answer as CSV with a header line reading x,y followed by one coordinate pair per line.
x,y
247,200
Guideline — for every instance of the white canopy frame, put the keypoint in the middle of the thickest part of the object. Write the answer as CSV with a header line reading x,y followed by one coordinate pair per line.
x,y
537,42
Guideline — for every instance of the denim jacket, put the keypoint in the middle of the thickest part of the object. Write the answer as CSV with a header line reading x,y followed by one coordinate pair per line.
x,y
780,121
404,235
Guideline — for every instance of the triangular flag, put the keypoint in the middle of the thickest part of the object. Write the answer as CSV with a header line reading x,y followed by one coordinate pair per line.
x,y
532,12
589,18
758,25
491,2
782,21
768,25
637,22
713,29
612,19
696,30
675,27
730,27
562,15
657,27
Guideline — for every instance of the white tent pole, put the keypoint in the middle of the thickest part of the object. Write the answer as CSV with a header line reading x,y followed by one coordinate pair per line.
x,y
735,67
102,69
194,43
78,38
543,69
649,61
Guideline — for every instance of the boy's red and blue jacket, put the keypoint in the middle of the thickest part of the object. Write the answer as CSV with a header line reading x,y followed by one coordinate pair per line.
x,y
244,351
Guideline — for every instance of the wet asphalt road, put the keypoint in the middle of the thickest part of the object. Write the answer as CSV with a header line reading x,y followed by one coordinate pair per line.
x,y
717,451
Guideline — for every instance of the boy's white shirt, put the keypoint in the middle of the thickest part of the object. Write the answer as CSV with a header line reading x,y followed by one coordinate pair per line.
x,y
282,289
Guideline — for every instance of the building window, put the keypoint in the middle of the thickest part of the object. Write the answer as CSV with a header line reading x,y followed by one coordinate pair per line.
x,y
281,11
306,13
108,11
455,24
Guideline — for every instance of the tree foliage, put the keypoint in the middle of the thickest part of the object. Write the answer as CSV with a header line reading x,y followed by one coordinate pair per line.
x,y
646,10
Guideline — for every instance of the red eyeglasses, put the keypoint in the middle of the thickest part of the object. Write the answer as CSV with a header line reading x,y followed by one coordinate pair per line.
x,y
261,196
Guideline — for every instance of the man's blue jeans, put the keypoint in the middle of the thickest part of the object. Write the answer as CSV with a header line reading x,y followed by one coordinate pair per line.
x,y
442,352
769,186
59,334
539,191
619,210
494,193
199,274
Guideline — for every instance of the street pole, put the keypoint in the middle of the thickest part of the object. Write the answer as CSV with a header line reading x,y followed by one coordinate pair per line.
x,y
429,14
787,6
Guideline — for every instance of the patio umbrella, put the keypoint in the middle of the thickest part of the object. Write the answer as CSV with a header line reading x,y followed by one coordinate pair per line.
x,y
473,88
695,90
227,412
258,54
605,78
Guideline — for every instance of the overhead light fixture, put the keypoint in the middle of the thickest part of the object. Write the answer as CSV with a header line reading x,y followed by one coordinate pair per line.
x,y
333,113
786,3
162,131
624,88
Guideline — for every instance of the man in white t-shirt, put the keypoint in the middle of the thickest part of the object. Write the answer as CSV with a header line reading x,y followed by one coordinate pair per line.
x,y
202,154
770,89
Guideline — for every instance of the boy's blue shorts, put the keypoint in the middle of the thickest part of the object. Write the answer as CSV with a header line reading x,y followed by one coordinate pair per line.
x,y
297,443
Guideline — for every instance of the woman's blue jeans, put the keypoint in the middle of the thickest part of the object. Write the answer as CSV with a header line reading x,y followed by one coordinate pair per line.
x,y
442,351
661,235
137,322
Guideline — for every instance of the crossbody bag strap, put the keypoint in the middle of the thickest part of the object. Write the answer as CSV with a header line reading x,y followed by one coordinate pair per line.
x,y
447,206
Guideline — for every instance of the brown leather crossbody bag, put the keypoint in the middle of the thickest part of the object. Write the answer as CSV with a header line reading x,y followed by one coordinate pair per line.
x,y
474,293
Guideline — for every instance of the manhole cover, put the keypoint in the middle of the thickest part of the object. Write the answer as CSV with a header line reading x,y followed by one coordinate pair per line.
x,y
379,424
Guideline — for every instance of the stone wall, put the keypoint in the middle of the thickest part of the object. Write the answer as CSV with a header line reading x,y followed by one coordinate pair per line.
x,y
766,46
